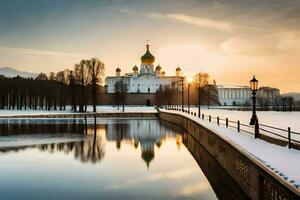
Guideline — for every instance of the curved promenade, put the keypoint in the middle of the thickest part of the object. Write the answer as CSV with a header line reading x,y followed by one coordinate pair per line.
x,y
255,179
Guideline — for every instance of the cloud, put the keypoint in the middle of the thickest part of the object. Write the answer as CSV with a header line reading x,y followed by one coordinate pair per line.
x,y
280,42
173,174
202,22
251,46
194,188
205,23
38,52
289,42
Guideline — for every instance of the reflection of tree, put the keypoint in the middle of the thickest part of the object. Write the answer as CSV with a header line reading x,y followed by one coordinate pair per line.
x,y
146,135
91,150
40,126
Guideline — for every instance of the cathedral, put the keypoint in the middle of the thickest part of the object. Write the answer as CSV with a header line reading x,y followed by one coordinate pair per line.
x,y
147,79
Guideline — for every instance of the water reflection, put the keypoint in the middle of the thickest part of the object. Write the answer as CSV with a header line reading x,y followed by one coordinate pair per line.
x,y
143,134
40,126
222,183
108,151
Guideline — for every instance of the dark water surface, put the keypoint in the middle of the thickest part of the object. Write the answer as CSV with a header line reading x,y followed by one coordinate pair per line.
x,y
109,159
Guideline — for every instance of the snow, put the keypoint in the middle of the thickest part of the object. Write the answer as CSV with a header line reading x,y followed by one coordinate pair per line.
x,y
281,120
100,109
272,118
128,109
233,87
284,162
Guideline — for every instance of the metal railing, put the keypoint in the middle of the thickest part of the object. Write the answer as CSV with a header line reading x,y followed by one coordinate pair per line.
x,y
285,135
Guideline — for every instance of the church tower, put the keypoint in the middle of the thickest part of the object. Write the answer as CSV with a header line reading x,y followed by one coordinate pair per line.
x,y
147,61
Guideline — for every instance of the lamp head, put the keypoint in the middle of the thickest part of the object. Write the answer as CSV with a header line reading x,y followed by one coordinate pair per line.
x,y
254,84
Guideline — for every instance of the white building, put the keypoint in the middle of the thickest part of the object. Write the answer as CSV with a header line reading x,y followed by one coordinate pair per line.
x,y
234,95
242,95
146,79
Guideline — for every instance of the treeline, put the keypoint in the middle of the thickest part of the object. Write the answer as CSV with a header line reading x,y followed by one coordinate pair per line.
x,y
201,91
280,103
76,87
198,90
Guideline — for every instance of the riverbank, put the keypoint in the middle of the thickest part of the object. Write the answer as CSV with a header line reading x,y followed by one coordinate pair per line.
x,y
248,160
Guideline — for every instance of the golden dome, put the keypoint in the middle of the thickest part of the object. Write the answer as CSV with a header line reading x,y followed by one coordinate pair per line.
x,y
118,70
147,58
178,69
135,68
158,67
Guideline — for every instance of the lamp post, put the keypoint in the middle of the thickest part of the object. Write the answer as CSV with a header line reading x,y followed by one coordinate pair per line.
x,y
182,93
199,100
189,85
123,95
254,88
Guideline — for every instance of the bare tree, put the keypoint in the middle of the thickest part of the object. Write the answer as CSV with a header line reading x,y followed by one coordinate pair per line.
x,y
96,71
72,88
82,79
200,81
42,77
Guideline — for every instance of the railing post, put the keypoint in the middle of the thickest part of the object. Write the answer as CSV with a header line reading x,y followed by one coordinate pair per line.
x,y
85,124
238,125
226,122
209,118
289,137
218,121
256,129
202,116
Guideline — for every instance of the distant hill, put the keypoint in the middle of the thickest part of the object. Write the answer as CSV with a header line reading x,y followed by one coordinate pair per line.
x,y
293,94
10,72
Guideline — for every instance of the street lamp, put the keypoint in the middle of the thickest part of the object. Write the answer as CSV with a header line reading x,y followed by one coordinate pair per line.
x,y
189,85
182,93
254,88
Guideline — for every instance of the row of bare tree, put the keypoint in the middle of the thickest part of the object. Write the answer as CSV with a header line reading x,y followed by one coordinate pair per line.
x,y
68,87
198,91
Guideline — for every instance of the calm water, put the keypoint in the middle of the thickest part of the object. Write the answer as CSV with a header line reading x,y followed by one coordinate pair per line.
x,y
104,159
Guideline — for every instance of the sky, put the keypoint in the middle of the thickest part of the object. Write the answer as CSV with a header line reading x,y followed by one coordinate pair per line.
x,y
232,40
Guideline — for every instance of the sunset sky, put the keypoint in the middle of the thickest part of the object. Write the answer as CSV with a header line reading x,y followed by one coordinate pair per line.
x,y
231,40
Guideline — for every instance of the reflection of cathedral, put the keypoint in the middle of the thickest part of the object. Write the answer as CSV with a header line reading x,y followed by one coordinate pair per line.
x,y
147,133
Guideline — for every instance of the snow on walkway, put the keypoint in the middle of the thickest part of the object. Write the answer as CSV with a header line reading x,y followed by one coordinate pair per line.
x,y
272,118
100,109
281,120
281,160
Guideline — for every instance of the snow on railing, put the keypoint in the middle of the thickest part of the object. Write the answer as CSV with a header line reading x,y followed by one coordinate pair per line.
x,y
285,135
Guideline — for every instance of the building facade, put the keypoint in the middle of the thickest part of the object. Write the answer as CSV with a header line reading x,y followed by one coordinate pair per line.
x,y
234,95
147,79
241,95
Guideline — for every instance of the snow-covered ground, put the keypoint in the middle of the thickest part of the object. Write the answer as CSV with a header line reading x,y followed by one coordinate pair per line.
x,y
283,162
281,120
100,109
272,118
